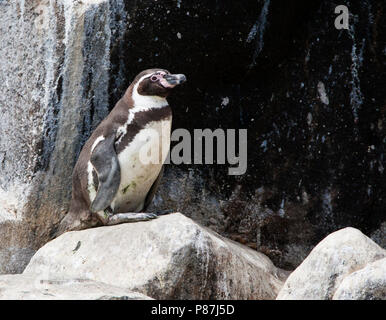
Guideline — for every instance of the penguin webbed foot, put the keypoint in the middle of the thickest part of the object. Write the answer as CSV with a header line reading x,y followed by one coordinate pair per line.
x,y
128,217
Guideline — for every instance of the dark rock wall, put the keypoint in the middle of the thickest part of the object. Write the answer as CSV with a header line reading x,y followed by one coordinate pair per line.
x,y
312,98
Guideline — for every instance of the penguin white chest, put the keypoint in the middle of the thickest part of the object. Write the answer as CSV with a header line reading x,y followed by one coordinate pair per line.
x,y
140,163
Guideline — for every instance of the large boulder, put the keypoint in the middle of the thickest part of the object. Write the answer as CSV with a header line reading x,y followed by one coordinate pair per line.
x,y
368,283
171,257
22,287
309,95
333,259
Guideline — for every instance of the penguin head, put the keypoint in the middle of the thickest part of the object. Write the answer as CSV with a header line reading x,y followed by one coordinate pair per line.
x,y
157,82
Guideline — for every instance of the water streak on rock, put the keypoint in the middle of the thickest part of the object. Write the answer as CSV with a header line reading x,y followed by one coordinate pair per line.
x,y
258,30
356,97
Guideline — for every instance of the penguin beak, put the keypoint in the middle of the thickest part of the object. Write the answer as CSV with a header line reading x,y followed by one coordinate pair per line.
x,y
173,80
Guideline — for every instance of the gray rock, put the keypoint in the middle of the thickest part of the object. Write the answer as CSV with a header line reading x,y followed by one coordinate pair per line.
x,y
54,75
333,259
171,257
312,169
368,283
65,63
22,287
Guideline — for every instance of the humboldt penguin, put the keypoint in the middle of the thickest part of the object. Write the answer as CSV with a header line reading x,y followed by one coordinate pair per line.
x,y
120,166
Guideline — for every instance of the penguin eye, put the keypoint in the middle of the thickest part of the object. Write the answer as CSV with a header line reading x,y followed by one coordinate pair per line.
x,y
154,78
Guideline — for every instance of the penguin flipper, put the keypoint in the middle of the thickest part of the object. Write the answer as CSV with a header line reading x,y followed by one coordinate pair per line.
x,y
153,189
105,161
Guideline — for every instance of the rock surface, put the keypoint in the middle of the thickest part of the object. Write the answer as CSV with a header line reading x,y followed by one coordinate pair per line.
x,y
329,263
311,97
22,287
171,257
368,283
54,75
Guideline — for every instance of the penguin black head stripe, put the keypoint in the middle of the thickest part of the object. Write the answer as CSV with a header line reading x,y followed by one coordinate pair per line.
x,y
110,183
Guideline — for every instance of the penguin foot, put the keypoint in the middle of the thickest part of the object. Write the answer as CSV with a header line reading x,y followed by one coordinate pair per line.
x,y
130,217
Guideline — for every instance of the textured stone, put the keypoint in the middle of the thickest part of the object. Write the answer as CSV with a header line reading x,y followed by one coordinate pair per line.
x,y
368,283
328,264
22,287
54,71
313,167
171,257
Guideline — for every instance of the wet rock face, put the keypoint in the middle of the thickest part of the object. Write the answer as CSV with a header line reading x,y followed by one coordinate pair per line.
x,y
308,94
21,287
333,263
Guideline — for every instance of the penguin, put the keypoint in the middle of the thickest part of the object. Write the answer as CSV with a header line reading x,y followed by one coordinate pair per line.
x,y
114,180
